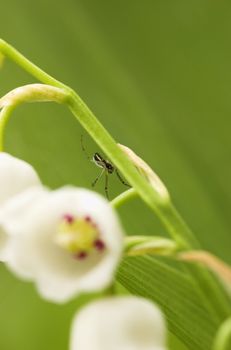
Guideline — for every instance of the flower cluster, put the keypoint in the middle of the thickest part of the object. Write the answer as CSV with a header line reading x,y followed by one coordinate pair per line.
x,y
70,241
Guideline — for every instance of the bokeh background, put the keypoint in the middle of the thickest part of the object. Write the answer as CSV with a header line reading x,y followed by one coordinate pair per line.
x,y
158,76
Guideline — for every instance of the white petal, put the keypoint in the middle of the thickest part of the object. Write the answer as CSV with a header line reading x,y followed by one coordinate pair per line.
x,y
124,323
13,212
3,245
15,176
58,276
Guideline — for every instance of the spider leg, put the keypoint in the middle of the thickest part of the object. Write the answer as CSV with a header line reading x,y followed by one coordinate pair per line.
x,y
98,177
121,179
83,148
106,185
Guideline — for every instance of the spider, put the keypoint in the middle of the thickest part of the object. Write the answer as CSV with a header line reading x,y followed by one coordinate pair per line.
x,y
106,166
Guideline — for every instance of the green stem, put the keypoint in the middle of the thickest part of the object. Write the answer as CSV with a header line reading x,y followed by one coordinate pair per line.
x,y
223,337
105,141
10,52
124,197
152,245
4,116
163,207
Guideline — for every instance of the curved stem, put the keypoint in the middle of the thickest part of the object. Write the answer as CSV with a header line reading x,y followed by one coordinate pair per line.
x,y
4,117
84,115
223,337
152,245
124,197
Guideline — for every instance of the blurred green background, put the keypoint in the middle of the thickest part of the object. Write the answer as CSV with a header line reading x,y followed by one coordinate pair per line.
x,y
157,74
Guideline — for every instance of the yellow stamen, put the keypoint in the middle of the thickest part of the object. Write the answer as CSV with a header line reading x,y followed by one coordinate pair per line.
x,y
77,236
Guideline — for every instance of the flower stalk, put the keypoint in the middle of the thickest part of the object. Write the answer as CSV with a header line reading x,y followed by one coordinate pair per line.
x,y
91,124
141,245
34,93
163,207
5,114
124,197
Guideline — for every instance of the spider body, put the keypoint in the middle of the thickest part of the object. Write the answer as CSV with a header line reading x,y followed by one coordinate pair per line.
x,y
103,163
107,168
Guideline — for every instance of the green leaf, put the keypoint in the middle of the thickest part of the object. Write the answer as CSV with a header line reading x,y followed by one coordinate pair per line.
x,y
174,292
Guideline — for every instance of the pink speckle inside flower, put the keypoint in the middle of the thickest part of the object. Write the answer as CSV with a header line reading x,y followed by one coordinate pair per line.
x,y
80,256
99,245
68,218
88,218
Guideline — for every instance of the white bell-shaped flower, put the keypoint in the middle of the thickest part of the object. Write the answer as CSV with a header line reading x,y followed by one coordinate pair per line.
x,y
119,323
70,242
16,209
15,177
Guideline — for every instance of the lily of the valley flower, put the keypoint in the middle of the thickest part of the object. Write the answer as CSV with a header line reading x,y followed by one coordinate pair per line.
x,y
15,177
13,212
124,323
70,242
